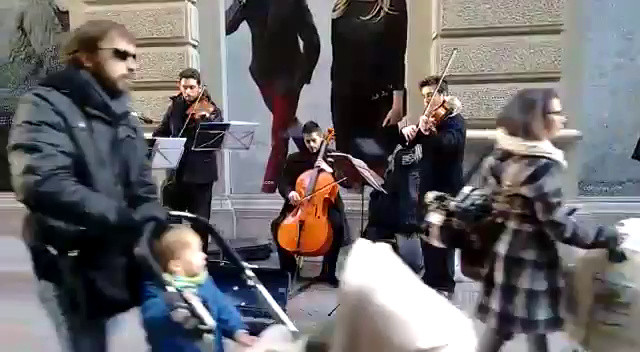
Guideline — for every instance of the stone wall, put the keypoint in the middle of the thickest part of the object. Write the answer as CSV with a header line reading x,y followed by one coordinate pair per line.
x,y
504,45
605,47
168,37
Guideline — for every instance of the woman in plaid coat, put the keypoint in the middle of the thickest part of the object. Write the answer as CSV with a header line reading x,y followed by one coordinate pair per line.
x,y
522,288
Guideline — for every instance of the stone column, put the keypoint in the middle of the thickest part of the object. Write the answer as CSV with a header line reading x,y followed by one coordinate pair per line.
x,y
601,84
604,64
421,28
168,36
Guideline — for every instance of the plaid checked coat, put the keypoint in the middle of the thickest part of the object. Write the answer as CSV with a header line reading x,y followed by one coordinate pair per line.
x,y
522,288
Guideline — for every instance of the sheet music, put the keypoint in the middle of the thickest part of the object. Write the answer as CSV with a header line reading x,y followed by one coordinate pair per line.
x,y
167,152
243,123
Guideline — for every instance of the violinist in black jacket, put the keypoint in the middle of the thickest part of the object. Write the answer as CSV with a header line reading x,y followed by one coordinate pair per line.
x,y
192,182
278,66
296,164
441,170
425,159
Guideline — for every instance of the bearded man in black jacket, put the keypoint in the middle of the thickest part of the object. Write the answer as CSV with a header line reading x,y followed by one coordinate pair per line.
x,y
78,163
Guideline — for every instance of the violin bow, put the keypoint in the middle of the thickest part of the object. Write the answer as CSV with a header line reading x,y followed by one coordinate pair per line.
x,y
444,73
195,103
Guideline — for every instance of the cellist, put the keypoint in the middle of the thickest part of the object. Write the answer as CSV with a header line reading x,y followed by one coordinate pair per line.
x,y
295,165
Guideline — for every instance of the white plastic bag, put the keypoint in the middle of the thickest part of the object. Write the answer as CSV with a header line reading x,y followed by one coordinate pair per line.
x,y
275,338
385,307
603,298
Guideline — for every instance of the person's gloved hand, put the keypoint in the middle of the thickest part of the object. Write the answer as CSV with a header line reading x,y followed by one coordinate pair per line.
x,y
614,239
151,211
181,313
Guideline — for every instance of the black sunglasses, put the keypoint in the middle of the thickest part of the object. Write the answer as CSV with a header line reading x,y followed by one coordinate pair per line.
x,y
120,54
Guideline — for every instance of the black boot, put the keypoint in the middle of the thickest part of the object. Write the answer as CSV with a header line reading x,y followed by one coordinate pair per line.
x,y
328,274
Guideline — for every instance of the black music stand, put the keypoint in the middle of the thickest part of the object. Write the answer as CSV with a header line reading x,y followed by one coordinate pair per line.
x,y
166,152
224,135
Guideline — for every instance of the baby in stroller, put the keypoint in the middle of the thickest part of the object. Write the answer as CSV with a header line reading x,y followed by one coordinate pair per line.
x,y
167,320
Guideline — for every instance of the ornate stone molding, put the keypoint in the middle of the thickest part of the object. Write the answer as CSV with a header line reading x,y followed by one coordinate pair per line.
x,y
489,135
495,31
505,77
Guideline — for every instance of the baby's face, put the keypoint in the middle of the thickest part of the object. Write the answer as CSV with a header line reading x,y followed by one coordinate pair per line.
x,y
192,260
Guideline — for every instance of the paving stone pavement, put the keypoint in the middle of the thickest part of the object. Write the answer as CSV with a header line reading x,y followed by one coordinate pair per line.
x,y
25,328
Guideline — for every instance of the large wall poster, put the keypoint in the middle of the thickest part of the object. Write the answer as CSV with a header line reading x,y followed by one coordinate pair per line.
x,y
248,95
276,48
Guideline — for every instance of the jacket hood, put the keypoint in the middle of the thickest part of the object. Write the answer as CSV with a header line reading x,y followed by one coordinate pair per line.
x,y
85,91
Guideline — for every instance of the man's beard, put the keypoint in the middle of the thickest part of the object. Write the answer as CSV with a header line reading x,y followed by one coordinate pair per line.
x,y
109,84
189,99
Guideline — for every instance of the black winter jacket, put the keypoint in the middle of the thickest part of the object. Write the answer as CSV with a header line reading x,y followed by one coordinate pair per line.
x,y
198,167
78,163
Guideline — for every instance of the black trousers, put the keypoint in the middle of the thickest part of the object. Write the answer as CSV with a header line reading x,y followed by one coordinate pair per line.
x,y
439,265
492,341
194,198
330,260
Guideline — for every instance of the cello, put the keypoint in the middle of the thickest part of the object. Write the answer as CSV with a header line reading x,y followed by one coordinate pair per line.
x,y
306,231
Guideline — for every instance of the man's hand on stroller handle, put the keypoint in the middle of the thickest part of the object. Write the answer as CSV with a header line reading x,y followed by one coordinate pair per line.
x,y
182,314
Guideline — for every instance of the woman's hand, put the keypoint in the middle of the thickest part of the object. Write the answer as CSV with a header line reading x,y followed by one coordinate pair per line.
x,y
396,113
393,116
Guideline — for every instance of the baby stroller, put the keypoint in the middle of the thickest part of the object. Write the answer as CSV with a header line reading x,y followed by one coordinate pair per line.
x,y
191,306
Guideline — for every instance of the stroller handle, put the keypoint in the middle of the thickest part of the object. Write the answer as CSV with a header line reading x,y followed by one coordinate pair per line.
x,y
232,256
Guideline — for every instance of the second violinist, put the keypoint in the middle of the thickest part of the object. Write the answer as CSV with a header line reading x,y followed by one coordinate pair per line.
x,y
190,187
428,157
441,170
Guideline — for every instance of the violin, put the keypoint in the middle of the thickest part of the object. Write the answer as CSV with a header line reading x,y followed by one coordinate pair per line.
x,y
440,113
433,116
201,107
306,231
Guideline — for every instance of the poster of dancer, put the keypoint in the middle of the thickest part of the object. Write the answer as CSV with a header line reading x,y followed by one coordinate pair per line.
x,y
29,36
340,63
